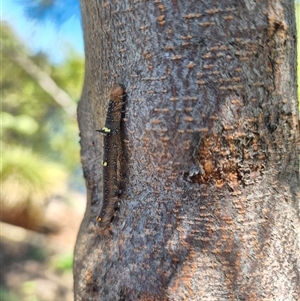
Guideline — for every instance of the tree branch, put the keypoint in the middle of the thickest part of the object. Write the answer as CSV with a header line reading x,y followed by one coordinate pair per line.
x,y
45,82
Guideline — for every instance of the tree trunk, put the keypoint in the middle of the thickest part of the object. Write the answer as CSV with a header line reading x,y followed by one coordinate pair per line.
x,y
210,205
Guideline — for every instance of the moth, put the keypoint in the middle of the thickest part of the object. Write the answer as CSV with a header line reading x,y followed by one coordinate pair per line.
x,y
111,156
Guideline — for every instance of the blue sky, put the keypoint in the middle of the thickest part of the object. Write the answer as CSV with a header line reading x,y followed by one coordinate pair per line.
x,y
45,37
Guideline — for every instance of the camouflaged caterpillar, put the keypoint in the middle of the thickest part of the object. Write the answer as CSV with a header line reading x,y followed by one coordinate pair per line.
x,y
111,157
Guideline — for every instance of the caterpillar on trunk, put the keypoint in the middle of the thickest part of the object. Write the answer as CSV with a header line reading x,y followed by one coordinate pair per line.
x,y
112,156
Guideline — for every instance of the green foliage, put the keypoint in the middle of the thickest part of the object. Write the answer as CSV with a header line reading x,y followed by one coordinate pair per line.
x,y
28,289
28,179
37,253
31,117
7,295
69,74
39,139
63,262
22,124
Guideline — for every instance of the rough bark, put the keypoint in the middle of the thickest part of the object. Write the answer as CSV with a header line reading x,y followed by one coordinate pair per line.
x,y
210,209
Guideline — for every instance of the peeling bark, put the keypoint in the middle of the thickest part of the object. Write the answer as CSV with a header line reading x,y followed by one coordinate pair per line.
x,y
210,209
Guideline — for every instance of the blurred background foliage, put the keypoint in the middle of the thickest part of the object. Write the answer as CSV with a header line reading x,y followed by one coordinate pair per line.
x,y
42,196
40,159
40,149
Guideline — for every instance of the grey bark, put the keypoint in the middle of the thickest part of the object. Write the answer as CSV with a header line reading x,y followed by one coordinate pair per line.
x,y
210,209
